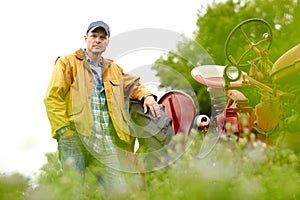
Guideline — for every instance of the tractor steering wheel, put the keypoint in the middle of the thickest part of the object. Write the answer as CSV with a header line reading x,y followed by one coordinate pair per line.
x,y
247,41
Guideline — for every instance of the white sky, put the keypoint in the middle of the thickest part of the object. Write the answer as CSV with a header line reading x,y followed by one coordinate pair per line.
x,y
34,33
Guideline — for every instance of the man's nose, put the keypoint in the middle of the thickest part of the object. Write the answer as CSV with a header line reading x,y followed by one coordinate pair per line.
x,y
99,39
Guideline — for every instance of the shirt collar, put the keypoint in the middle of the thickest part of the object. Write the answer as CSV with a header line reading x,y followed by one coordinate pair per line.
x,y
99,64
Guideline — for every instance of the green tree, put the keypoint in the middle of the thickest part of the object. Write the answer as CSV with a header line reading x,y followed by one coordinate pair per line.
x,y
215,22
220,18
174,70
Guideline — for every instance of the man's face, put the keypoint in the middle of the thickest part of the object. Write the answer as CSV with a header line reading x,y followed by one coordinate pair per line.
x,y
96,41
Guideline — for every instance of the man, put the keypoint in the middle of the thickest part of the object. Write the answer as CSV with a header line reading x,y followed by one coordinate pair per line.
x,y
86,108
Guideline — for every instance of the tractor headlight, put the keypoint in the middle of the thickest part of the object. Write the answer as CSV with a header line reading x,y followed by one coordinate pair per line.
x,y
232,73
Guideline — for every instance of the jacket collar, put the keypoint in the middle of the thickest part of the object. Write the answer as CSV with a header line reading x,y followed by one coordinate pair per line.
x,y
80,55
105,63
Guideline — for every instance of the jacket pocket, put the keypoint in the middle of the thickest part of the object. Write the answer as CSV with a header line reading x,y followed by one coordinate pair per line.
x,y
114,82
75,110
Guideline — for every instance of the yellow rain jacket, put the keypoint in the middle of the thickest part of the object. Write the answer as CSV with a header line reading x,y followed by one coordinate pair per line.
x,y
68,97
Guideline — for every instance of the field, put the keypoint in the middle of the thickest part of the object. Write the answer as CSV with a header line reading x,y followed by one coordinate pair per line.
x,y
229,170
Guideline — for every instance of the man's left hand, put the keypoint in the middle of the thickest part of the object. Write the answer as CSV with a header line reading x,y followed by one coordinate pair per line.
x,y
150,103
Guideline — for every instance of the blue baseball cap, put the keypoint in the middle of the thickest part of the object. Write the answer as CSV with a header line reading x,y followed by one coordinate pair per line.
x,y
98,24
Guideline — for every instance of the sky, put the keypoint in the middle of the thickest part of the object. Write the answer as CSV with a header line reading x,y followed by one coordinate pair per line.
x,y
34,33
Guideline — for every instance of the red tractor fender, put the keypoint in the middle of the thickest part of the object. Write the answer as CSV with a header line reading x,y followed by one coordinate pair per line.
x,y
180,107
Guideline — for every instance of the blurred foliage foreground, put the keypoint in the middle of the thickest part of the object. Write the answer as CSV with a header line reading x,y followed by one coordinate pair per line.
x,y
230,170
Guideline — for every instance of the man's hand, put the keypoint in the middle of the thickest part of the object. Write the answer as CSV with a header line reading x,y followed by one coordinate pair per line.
x,y
149,102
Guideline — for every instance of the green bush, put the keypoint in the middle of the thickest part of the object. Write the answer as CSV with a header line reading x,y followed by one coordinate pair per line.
x,y
231,170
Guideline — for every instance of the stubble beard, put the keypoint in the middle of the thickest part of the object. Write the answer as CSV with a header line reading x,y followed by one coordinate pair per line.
x,y
97,52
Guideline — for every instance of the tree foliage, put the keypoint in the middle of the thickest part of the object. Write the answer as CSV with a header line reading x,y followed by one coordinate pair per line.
x,y
215,21
219,19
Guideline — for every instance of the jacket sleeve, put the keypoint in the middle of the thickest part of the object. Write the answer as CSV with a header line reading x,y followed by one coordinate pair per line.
x,y
133,88
57,94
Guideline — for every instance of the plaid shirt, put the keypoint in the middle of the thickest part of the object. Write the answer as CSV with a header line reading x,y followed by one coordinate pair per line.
x,y
101,139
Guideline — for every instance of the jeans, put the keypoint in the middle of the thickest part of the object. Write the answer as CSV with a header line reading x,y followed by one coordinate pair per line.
x,y
73,154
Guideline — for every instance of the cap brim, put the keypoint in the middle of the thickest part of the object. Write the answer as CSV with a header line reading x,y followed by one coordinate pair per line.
x,y
92,29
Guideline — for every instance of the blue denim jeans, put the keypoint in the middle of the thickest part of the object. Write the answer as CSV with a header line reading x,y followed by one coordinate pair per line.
x,y
73,154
